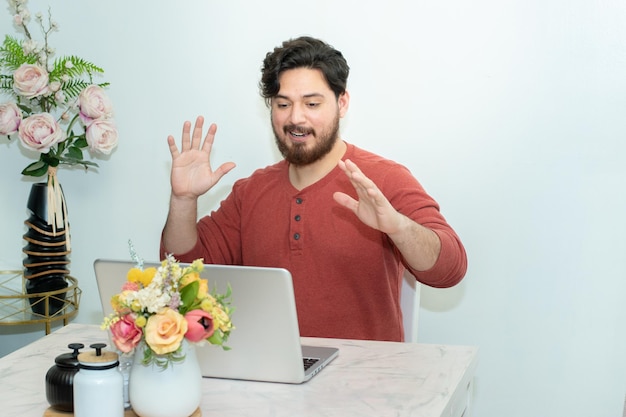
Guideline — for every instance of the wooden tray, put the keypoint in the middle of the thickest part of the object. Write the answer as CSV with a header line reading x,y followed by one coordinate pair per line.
x,y
50,412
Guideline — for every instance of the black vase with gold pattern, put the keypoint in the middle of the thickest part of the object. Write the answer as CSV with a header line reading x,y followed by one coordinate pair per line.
x,y
47,247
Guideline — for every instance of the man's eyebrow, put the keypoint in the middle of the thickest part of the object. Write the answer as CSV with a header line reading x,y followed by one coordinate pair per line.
x,y
311,95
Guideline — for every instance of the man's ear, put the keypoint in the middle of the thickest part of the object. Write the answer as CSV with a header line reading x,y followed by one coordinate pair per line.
x,y
343,102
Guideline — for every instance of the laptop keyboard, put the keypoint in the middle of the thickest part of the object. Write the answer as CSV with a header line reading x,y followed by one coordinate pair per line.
x,y
308,362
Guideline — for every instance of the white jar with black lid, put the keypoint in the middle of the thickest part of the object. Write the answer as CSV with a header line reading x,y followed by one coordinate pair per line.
x,y
98,385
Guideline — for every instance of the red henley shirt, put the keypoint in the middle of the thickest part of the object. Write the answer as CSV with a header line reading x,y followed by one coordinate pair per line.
x,y
347,276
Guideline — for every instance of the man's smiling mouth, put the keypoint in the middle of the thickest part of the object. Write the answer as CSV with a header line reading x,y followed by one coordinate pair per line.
x,y
298,134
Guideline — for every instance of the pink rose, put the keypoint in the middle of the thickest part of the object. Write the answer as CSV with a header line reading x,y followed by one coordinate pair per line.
x,y
125,333
30,81
130,286
94,104
40,132
165,331
199,325
10,118
101,136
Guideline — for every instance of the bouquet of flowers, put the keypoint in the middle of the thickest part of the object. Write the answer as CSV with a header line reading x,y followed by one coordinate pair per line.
x,y
162,306
48,94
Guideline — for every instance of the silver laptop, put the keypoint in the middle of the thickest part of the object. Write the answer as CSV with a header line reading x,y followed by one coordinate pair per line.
x,y
265,344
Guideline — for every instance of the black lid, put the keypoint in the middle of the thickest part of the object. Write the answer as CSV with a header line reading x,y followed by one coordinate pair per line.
x,y
69,360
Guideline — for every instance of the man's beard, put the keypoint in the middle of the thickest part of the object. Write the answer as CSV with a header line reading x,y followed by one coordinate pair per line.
x,y
297,154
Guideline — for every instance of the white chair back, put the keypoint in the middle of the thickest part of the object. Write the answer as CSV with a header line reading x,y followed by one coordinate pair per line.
x,y
410,304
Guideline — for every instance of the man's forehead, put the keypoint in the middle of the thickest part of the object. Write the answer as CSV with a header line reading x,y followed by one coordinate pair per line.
x,y
303,83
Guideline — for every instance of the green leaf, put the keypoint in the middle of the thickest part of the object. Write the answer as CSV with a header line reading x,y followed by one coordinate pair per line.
x,y
73,88
6,83
78,68
25,109
36,169
216,338
66,160
81,142
188,295
75,153
12,54
47,158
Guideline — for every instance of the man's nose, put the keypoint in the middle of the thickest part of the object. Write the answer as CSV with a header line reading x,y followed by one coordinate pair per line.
x,y
298,114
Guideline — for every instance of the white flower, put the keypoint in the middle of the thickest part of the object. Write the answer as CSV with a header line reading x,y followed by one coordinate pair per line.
x,y
10,118
40,132
102,136
59,97
152,298
39,95
29,46
30,81
54,86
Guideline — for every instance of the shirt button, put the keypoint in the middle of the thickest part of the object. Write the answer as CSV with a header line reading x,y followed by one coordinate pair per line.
x,y
296,236
297,217
298,200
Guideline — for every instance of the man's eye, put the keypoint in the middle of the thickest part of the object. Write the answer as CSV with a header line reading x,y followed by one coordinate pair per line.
x,y
313,104
282,105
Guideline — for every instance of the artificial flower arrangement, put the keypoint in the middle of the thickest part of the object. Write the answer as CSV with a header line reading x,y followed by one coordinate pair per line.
x,y
48,94
162,306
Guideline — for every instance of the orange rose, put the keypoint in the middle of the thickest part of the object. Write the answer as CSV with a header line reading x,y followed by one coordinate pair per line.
x,y
165,330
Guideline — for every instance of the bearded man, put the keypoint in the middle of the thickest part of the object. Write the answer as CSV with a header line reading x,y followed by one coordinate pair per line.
x,y
345,222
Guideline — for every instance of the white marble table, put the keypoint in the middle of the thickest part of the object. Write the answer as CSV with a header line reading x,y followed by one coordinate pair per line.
x,y
367,379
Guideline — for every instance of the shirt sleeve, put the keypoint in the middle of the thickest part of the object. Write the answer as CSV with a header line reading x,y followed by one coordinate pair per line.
x,y
408,196
219,234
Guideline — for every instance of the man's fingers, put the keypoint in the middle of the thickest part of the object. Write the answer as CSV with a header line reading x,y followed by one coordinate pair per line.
x,y
223,170
186,142
209,138
196,138
346,201
173,148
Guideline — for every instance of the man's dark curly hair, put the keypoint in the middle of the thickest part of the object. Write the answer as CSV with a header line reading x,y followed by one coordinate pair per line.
x,y
303,52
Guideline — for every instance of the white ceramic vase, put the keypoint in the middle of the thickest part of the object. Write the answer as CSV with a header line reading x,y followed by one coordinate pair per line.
x,y
175,391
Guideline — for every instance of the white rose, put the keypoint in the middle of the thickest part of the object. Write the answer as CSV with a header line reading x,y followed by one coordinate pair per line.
x,y
101,136
40,132
10,118
94,104
30,81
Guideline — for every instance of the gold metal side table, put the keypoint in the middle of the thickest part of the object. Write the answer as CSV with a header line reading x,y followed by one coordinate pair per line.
x,y
15,303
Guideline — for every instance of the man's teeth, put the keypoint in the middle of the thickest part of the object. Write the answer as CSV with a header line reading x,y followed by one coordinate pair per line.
x,y
297,134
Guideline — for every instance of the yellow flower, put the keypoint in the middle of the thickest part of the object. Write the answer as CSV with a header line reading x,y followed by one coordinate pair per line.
x,y
189,278
207,303
116,303
165,331
198,265
142,277
221,319
140,321
203,289
136,306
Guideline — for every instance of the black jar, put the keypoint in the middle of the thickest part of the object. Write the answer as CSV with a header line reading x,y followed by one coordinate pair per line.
x,y
60,379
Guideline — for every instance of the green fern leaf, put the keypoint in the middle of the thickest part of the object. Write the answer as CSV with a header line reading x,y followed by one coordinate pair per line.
x,y
73,88
12,54
78,68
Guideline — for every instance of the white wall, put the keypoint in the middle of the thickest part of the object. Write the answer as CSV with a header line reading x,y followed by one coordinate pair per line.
x,y
511,114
